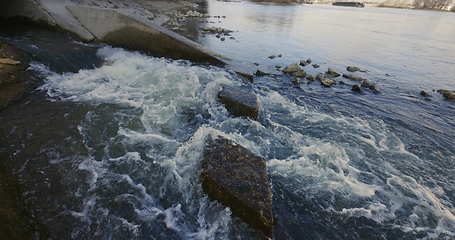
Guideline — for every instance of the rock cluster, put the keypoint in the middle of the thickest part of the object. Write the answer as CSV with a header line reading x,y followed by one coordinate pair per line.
x,y
326,79
237,178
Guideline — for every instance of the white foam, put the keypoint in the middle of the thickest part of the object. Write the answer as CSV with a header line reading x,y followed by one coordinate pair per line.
x,y
351,160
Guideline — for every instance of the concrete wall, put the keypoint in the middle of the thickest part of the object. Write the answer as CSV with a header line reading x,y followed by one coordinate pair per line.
x,y
120,27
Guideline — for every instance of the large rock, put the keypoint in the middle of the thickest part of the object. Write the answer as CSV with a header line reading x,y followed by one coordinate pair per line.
x,y
352,69
327,82
332,73
239,102
237,178
292,68
448,95
353,78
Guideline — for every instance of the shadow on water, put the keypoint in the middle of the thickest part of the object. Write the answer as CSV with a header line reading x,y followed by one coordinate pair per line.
x,y
37,132
61,51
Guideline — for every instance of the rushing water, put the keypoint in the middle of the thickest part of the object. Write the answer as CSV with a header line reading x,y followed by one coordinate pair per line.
x,y
377,165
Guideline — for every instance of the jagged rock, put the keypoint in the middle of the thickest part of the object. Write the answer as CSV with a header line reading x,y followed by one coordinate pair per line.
x,y
365,84
327,82
352,69
237,178
332,73
447,94
424,94
303,63
353,78
320,77
299,73
356,88
315,65
261,73
9,61
239,102
374,87
291,68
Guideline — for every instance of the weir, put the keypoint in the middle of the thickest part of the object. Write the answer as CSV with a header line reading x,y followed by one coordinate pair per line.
x,y
118,27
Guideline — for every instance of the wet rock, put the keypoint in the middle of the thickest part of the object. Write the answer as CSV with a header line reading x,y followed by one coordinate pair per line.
x,y
310,78
424,94
342,82
296,80
299,73
294,70
239,102
291,68
327,82
315,65
374,87
365,84
353,78
309,60
272,56
280,55
320,77
303,63
9,61
356,88
237,178
261,73
332,73
352,69
447,94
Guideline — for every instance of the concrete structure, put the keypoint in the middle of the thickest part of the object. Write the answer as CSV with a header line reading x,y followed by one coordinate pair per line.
x,y
118,27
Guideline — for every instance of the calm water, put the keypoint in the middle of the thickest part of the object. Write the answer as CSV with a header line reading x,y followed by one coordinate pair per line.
x,y
416,47
376,165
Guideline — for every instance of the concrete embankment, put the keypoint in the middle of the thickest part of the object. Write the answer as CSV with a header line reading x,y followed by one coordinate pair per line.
x,y
119,27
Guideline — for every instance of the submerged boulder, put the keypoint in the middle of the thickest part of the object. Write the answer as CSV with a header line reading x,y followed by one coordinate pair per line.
x,y
237,178
239,102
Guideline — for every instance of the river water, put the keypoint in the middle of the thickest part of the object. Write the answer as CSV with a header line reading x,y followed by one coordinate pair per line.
x,y
342,165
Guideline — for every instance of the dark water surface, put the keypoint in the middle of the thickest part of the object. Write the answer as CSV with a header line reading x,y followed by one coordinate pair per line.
x,y
114,151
